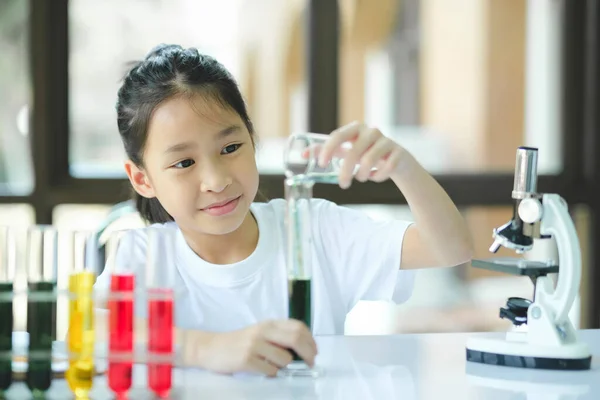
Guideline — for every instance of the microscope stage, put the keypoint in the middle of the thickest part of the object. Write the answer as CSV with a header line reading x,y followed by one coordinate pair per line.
x,y
516,266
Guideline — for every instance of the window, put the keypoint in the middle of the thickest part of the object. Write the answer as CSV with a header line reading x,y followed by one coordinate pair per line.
x,y
461,86
16,171
232,31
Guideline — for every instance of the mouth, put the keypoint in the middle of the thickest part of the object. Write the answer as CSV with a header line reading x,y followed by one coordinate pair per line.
x,y
222,207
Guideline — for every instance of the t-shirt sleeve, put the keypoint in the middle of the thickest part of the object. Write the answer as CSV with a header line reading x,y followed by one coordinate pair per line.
x,y
129,257
364,253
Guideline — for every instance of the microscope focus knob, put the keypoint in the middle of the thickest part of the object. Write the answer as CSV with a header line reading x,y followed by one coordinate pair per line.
x,y
530,210
516,310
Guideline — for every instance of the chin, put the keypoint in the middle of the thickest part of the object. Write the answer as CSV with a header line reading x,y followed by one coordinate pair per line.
x,y
221,225
218,229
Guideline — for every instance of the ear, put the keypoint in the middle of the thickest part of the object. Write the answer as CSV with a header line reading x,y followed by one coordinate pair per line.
x,y
139,180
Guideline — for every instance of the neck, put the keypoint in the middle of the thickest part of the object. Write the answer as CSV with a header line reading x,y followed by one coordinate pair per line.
x,y
225,249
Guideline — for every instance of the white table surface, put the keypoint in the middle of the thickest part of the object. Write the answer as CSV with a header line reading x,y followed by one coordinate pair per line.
x,y
407,367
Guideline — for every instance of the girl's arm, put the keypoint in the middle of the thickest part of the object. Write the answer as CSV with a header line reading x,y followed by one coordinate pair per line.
x,y
439,236
260,348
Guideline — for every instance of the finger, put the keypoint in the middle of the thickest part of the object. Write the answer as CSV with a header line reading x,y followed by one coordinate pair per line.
x,y
305,351
388,167
307,339
294,336
294,325
303,342
365,140
335,140
313,351
262,366
373,157
274,354
313,345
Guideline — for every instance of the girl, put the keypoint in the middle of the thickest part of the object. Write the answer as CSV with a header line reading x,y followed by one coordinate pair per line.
x,y
190,145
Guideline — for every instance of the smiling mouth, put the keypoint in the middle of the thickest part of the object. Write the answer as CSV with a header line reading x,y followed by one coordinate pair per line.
x,y
222,208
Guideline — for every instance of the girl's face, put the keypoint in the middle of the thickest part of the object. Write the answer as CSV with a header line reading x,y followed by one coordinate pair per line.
x,y
199,162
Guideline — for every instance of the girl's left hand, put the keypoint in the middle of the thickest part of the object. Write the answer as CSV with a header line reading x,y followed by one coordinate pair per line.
x,y
370,149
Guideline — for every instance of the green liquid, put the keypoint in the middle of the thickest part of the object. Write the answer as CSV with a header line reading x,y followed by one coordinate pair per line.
x,y
41,325
299,303
6,327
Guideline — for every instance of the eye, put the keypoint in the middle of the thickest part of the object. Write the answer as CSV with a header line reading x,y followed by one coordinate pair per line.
x,y
184,164
231,148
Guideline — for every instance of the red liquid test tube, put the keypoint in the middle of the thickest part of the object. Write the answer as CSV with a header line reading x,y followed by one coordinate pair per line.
x,y
121,334
160,340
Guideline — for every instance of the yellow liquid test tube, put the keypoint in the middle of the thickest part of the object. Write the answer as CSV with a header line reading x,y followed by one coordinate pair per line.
x,y
81,336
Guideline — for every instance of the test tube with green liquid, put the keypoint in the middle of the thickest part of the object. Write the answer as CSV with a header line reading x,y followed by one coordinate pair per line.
x,y
7,276
298,194
42,252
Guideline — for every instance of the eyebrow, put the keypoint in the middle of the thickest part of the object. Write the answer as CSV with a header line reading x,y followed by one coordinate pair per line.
x,y
230,130
179,147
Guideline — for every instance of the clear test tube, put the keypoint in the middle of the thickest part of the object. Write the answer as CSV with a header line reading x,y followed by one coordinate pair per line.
x,y
160,268
7,276
42,253
298,196
81,334
301,157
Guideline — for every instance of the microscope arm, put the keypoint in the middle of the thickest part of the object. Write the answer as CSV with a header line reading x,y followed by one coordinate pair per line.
x,y
556,222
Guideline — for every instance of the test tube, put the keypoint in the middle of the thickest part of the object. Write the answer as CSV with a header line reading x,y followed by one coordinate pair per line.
x,y
81,336
121,314
301,156
159,279
7,275
299,262
42,246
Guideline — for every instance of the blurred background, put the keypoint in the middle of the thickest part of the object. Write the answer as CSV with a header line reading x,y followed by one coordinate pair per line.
x,y
461,84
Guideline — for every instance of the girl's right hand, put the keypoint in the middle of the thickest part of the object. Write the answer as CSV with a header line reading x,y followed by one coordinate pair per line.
x,y
262,348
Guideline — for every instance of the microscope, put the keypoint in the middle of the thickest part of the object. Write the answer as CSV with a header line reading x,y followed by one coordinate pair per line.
x,y
543,336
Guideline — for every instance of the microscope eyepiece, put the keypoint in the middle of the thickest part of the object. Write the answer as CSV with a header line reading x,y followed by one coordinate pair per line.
x,y
525,182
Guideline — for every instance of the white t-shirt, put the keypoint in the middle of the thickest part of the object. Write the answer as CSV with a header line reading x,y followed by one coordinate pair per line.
x,y
353,258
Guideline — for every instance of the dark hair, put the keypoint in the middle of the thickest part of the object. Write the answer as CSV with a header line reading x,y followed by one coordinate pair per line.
x,y
168,71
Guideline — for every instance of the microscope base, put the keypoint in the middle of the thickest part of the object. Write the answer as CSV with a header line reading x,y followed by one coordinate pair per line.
x,y
520,354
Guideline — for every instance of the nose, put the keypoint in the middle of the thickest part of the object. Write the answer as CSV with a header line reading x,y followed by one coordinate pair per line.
x,y
214,176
